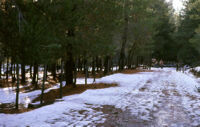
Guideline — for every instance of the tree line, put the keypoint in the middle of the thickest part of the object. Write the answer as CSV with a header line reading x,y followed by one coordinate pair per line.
x,y
187,34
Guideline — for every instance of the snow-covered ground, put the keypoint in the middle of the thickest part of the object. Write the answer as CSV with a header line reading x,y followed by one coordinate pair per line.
x,y
163,97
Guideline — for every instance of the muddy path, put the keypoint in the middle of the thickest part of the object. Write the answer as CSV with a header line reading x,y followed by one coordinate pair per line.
x,y
167,109
170,112
116,117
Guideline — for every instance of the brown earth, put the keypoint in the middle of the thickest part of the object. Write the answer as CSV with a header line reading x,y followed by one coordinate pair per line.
x,y
70,90
116,117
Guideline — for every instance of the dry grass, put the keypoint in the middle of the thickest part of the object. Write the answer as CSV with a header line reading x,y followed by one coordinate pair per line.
x,y
101,74
9,108
4,84
82,75
133,71
165,92
70,90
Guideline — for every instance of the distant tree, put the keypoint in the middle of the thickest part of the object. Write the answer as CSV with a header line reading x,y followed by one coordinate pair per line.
x,y
164,45
189,22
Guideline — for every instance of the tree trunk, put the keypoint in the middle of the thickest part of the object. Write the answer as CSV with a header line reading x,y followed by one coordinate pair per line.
x,y
37,77
11,69
4,69
35,71
7,69
53,71
124,38
69,63
177,64
31,71
79,65
150,60
14,76
75,73
69,66
111,64
47,71
130,57
0,69
100,65
106,65
57,67
43,83
137,61
23,73
93,69
17,89
86,74
61,79
97,63
86,71
84,63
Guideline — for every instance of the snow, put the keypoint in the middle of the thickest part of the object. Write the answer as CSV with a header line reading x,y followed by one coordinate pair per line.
x,y
82,81
147,95
48,116
8,96
197,69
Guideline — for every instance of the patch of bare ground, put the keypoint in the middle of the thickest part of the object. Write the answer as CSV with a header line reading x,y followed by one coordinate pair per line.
x,y
97,75
51,96
195,73
146,86
8,83
192,97
9,108
175,93
132,71
126,71
101,74
142,89
165,92
70,90
149,81
116,117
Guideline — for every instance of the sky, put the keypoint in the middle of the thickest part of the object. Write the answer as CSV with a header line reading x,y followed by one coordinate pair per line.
x,y
177,4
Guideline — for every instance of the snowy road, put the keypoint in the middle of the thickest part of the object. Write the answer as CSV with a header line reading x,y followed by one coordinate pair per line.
x,y
163,98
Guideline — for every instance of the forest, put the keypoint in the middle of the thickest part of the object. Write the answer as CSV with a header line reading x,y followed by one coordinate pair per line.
x,y
49,42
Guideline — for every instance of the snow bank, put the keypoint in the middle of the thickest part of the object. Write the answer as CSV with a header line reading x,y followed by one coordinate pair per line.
x,y
197,69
